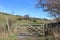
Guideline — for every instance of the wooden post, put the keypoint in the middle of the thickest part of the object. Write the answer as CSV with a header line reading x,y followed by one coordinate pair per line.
x,y
43,30
8,25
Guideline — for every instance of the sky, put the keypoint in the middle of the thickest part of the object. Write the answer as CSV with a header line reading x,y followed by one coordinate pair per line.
x,y
22,7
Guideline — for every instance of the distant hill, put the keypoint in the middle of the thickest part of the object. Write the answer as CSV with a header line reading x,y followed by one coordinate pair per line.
x,y
20,20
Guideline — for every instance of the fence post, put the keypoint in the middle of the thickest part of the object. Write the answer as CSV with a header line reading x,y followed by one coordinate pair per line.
x,y
8,25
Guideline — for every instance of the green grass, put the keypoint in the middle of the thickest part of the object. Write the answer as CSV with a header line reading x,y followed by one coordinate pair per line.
x,y
14,17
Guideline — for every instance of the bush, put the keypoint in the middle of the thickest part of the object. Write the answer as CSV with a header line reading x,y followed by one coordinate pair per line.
x,y
34,21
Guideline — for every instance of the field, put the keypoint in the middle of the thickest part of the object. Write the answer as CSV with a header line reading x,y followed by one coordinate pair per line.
x,y
14,20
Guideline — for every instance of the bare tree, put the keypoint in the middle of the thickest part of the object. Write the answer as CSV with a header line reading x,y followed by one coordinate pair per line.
x,y
50,6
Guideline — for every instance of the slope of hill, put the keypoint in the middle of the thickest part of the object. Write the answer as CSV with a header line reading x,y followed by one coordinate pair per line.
x,y
20,20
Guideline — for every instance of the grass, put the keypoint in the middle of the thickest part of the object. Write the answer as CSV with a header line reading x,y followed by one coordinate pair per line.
x,y
11,37
14,18
18,22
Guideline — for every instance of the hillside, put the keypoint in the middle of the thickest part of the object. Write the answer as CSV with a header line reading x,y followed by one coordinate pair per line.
x,y
17,21
20,20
